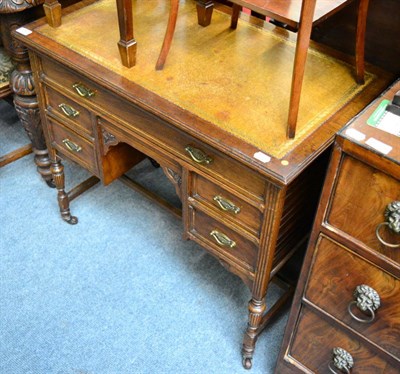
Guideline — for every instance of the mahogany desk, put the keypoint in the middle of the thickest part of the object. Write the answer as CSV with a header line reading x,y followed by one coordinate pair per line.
x,y
213,119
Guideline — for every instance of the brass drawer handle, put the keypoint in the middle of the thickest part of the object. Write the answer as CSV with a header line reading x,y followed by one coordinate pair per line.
x,y
226,205
83,91
341,360
392,221
73,147
367,300
68,110
222,239
198,155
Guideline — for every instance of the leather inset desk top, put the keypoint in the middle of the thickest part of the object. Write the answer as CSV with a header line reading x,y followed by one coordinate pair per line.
x,y
238,80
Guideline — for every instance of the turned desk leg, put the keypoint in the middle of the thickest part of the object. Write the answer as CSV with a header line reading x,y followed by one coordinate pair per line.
x,y
57,170
256,313
204,12
25,100
52,10
274,199
127,43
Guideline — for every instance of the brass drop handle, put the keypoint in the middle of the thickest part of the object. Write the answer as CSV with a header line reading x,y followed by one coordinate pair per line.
x,y
367,300
222,239
68,110
392,221
226,205
198,155
73,147
341,360
83,91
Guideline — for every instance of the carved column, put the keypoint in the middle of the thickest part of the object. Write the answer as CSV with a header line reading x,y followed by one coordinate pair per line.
x,y
13,14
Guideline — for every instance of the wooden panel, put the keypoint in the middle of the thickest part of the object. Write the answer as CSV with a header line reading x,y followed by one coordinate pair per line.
x,y
335,274
358,205
244,252
80,121
313,343
249,216
85,156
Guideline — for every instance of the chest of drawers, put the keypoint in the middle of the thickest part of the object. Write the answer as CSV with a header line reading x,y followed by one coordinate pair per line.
x,y
346,313
249,210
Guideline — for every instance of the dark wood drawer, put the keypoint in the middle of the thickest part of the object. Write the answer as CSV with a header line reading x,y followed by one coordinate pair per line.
x,y
224,242
358,204
73,146
230,206
313,343
162,134
333,278
67,109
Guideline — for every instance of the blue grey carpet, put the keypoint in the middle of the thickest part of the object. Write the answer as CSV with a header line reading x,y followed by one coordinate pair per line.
x,y
120,292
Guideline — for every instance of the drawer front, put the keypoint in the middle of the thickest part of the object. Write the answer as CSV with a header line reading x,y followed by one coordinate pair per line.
x,y
359,201
313,343
65,108
73,146
223,241
157,131
334,276
228,205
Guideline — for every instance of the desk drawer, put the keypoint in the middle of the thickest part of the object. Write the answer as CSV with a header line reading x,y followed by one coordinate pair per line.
x,y
67,109
333,278
361,188
314,341
225,243
230,206
159,132
73,146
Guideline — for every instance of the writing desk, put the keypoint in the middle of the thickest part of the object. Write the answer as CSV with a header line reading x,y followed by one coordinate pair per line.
x,y
248,194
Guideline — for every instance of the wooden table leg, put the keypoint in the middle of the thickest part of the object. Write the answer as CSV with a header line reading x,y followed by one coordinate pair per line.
x,y
52,10
127,43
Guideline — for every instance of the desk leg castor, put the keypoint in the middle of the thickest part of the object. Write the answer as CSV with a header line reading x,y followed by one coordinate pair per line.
x,y
57,170
247,362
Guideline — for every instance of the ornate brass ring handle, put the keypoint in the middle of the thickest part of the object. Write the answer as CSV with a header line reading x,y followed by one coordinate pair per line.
x,y
83,91
222,239
342,360
226,205
68,110
198,155
392,221
73,147
367,300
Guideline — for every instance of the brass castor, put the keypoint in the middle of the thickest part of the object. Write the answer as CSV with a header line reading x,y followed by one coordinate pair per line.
x,y
72,220
247,363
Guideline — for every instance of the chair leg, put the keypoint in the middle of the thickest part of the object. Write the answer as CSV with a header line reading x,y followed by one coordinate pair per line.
x,y
204,12
52,10
303,42
169,34
235,15
127,42
360,39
